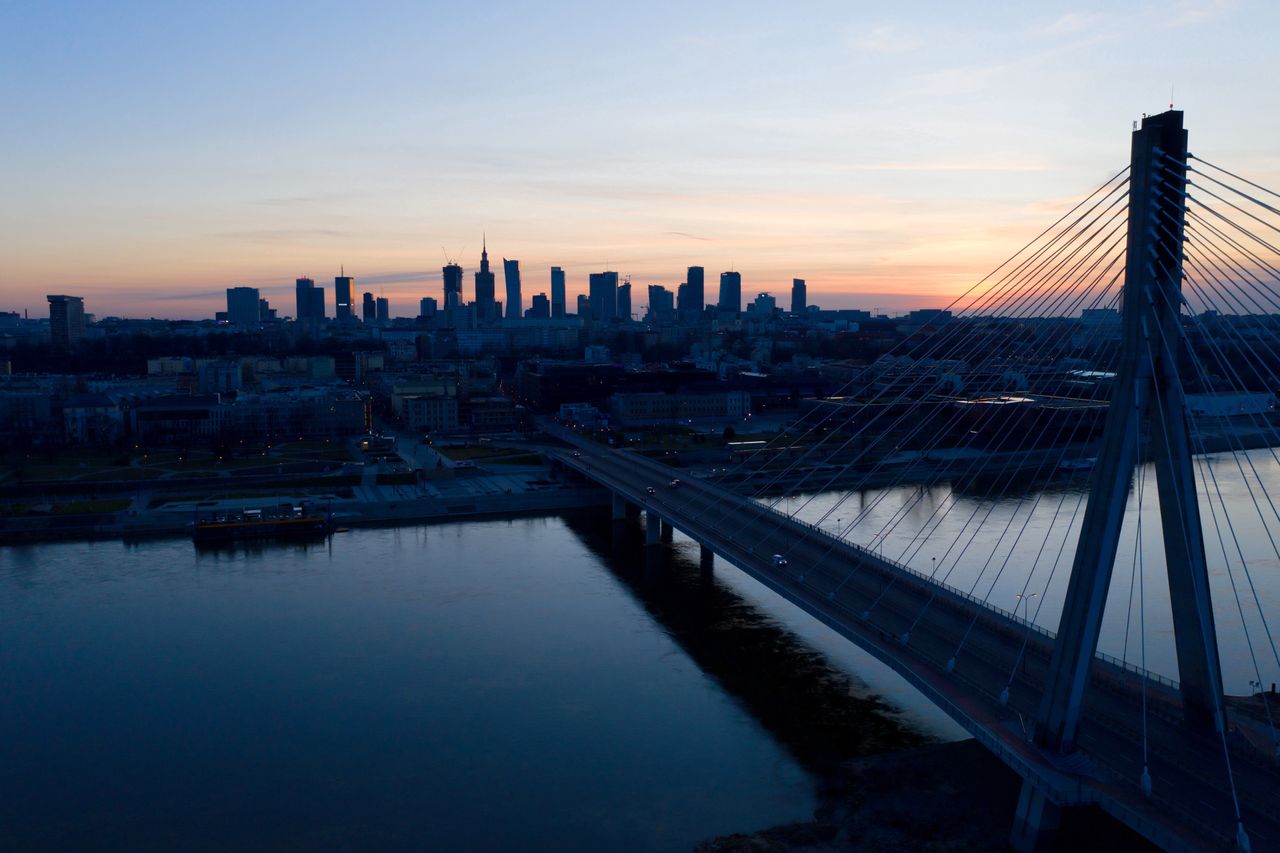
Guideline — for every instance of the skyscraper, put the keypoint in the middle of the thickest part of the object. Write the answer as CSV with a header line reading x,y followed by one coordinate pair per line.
x,y
368,308
624,301
452,285
799,296
662,304
66,321
511,272
427,307
730,293
539,307
243,306
692,297
486,309
304,290
383,308
343,287
584,305
317,304
603,287
557,292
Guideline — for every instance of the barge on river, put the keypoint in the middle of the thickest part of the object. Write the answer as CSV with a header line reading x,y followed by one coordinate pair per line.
x,y
285,521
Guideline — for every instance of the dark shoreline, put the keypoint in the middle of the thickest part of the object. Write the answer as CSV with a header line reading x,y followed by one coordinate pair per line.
x,y
939,797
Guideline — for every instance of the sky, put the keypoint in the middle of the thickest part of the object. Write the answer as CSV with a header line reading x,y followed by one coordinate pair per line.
x,y
154,154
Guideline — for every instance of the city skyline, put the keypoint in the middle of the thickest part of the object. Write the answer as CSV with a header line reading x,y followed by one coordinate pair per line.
x,y
925,146
305,290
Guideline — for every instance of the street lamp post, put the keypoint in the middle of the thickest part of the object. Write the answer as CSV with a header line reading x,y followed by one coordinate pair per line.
x,y
1025,599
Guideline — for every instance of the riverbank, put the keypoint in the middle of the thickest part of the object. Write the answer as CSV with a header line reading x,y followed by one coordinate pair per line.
x,y
938,798
153,513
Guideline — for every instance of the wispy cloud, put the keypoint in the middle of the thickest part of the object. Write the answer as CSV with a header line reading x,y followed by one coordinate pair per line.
x,y
942,166
1073,23
956,80
1186,13
884,38
300,200
185,297
278,235
400,277
688,236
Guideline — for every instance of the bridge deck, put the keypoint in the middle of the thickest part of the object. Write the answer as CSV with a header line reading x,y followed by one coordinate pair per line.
x,y
1190,807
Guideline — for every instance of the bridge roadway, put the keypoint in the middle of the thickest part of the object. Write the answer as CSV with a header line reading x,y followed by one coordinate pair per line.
x,y
1190,807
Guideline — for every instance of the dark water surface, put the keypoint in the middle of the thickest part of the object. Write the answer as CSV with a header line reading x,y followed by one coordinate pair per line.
x,y
504,685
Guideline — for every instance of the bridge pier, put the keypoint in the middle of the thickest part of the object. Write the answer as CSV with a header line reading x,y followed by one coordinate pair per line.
x,y
706,559
619,507
652,528
1035,824
668,532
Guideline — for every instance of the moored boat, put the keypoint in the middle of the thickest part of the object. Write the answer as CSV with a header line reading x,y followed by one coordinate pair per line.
x,y
285,521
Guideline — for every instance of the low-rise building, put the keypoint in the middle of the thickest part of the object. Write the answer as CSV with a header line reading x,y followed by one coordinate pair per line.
x,y
431,413
647,409
92,420
488,414
1228,404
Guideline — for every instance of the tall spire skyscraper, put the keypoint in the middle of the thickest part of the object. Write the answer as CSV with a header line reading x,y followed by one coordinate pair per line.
x,y
486,309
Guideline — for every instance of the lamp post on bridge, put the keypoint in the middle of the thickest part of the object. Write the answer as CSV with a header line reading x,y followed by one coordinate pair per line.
x,y
1024,599
1021,600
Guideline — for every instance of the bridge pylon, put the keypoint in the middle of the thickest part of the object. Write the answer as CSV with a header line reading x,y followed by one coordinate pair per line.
x,y
1148,400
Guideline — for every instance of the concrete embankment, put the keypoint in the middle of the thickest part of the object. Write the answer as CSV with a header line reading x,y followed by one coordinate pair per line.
x,y
372,506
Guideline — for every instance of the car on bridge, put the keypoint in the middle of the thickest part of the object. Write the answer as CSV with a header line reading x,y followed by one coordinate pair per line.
x,y
651,490
675,484
779,561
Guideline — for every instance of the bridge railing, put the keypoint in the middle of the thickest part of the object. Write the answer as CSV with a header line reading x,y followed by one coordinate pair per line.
x,y
1014,618
967,596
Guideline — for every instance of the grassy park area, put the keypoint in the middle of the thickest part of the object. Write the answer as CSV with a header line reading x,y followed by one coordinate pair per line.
x,y
491,455
96,465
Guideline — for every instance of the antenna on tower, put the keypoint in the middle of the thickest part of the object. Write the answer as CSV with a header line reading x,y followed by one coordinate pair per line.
x,y
1170,96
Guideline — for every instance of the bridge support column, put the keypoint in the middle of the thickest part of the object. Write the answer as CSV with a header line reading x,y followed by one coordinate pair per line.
x,y
1035,825
668,532
652,529
1147,392
619,507
706,559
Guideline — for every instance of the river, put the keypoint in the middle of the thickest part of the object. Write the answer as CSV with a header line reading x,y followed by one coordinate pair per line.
x,y
536,684
529,684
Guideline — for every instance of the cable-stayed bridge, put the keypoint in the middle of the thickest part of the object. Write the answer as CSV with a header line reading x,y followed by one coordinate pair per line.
x,y
1129,341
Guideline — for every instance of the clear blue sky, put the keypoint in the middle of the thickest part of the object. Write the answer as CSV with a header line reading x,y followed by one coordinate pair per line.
x,y
156,153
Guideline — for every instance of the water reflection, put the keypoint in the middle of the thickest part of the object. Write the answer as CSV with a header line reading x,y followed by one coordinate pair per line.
x,y
815,709
488,685
1011,543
